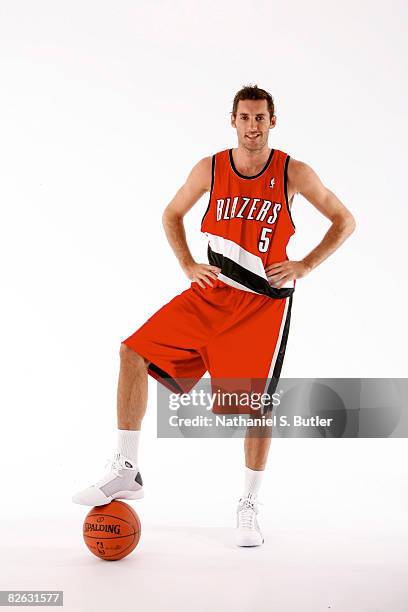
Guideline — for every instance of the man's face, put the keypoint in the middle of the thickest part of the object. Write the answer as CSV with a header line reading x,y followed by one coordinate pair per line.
x,y
253,123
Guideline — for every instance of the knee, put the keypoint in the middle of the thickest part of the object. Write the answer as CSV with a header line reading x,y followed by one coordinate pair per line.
x,y
128,354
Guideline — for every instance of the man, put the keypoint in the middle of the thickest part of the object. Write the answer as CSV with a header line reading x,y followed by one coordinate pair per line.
x,y
233,320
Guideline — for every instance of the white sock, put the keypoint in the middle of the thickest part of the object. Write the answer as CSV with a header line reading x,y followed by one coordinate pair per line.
x,y
253,479
128,443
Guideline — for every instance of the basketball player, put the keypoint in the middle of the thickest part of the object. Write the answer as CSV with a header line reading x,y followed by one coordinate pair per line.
x,y
233,320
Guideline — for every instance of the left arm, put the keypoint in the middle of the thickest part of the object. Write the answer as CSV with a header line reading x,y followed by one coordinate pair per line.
x,y
303,179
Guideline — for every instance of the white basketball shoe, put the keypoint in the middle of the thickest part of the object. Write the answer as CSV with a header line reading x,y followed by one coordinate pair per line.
x,y
123,481
248,532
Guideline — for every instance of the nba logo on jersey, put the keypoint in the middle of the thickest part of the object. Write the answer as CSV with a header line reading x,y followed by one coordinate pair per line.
x,y
272,183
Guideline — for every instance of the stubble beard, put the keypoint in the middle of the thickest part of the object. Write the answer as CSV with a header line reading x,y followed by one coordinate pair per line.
x,y
260,144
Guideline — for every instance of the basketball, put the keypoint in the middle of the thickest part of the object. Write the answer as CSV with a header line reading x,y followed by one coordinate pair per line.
x,y
112,531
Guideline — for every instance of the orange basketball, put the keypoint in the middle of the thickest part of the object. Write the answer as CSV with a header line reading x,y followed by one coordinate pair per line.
x,y
112,531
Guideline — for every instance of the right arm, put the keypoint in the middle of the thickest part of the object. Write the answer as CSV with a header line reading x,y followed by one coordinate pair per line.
x,y
198,182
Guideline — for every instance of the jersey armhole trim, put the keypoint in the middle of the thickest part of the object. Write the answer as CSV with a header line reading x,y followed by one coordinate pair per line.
x,y
285,187
212,185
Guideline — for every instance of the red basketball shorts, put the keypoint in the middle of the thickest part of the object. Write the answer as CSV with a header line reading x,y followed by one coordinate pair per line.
x,y
233,334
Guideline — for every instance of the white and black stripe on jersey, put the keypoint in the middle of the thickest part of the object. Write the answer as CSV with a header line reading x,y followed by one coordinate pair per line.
x,y
241,269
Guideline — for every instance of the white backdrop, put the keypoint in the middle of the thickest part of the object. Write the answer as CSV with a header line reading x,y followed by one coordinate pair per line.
x,y
105,108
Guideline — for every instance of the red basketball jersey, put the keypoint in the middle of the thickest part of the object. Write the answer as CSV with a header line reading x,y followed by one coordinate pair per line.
x,y
248,223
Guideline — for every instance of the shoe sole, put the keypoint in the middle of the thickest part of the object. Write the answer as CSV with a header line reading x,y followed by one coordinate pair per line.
x,y
131,495
252,545
126,495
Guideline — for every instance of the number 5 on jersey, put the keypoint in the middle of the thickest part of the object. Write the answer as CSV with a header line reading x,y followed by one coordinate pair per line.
x,y
264,239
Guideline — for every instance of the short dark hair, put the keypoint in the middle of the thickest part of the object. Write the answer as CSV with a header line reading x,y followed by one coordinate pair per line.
x,y
253,92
